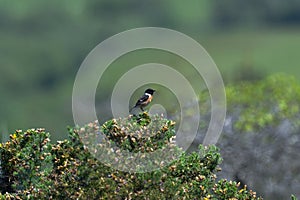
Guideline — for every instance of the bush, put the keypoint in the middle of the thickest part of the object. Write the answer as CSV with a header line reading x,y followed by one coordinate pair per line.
x,y
26,159
37,169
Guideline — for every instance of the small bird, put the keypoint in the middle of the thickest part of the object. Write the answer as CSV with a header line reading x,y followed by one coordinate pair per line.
x,y
144,100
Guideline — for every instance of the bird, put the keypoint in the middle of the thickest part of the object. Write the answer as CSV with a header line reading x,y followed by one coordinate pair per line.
x,y
144,100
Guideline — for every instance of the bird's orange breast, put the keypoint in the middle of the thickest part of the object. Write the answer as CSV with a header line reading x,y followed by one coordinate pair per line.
x,y
147,101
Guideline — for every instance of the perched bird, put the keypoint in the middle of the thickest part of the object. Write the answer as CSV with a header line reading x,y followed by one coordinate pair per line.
x,y
144,100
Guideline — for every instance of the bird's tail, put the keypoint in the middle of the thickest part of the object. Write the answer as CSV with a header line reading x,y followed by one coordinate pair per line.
x,y
132,109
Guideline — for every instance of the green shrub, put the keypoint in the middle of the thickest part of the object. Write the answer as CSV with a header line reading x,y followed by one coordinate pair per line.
x,y
26,159
38,169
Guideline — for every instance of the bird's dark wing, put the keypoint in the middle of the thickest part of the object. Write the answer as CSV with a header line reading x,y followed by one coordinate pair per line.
x,y
143,99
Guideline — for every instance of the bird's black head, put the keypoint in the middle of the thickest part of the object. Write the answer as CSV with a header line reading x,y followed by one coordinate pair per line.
x,y
150,91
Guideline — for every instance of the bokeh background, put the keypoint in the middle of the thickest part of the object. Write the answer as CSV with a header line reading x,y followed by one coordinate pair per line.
x,y
43,43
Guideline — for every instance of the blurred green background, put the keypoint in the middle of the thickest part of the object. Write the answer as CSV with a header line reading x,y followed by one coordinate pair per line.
x,y
44,42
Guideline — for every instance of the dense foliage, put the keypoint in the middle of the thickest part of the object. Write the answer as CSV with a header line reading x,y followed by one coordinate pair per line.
x,y
36,169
